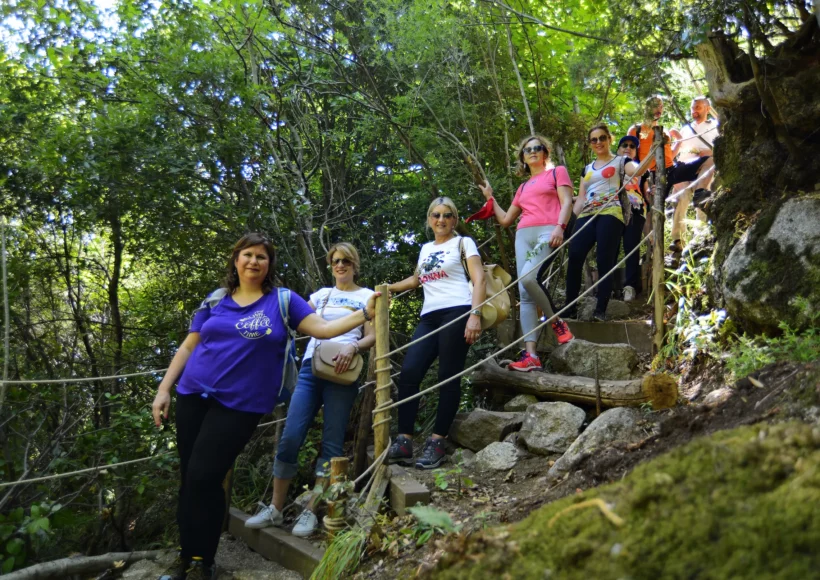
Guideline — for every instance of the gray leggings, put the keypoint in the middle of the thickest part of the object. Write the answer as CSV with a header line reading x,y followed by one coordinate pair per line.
x,y
528,263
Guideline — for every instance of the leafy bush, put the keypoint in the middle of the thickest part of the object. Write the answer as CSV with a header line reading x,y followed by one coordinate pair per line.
x,y
750,354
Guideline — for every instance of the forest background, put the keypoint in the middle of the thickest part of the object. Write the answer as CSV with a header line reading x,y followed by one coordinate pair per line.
x,y
139,140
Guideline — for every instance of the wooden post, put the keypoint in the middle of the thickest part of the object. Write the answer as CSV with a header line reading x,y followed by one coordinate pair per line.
x,y
227,486
381,432
365,422
658,250
338,474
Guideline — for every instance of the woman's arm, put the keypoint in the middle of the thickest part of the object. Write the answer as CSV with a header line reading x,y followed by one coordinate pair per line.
x,y
162,402
565,196
317,327
581,199
505,218
476,270
408,283
348,351
631,168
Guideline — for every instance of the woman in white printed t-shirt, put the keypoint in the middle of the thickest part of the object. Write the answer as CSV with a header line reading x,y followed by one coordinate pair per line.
x,y
447,296
312,392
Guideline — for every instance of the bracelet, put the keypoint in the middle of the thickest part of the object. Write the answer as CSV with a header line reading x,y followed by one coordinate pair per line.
x,y
356,344
563,226
367,317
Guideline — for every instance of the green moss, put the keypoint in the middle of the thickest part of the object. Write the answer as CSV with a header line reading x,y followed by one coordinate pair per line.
x,y
738,504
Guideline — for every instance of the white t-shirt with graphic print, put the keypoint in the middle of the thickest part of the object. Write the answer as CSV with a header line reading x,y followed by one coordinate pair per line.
x,y
340,305
442,275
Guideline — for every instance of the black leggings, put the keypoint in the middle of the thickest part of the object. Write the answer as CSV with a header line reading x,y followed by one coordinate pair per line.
x,y
210,437
633,234
606,232
451,348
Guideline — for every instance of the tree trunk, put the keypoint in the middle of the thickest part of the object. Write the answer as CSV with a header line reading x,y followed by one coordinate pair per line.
x,y
84,565
660,390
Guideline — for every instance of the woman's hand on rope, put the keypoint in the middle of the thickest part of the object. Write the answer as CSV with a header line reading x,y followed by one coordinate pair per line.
x,y
557,237
486,189
160,407
473,329
344,358
371,305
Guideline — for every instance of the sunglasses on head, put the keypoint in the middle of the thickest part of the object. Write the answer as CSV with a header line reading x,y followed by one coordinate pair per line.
x,y
628,144
534,149
602,139
342,261
446,215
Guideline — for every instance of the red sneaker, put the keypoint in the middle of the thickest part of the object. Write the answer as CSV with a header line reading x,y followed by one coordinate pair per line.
x,y
561,330
526,363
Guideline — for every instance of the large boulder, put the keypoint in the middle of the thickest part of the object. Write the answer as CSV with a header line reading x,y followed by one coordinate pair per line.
x,y
619,424
577,357
551,427
498,456
477,429
772,274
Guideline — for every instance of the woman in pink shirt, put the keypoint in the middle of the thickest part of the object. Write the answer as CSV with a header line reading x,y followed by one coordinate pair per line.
x,y
544,203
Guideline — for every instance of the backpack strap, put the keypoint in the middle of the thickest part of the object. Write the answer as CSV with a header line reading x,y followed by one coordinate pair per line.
x,y
290,343
462,252
621,170
213,298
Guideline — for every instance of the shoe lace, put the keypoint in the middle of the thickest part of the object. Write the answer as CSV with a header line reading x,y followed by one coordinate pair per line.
x,y
304,518
430,449
560,327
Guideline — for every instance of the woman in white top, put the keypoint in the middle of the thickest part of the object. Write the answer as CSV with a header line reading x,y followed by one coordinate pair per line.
x,y
311,392
447,296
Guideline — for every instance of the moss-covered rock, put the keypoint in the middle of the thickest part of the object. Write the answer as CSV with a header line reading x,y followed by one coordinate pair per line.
x,y
738,504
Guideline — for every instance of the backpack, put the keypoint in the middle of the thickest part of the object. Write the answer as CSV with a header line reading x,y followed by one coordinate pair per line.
x,y
496,278
290,368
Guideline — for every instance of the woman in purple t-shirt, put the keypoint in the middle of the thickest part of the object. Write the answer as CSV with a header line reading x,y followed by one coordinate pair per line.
x,y
544,203
229,369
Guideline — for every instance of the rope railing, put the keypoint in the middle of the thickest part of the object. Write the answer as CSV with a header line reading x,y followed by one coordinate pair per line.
x,y
81,379
642,165
392,405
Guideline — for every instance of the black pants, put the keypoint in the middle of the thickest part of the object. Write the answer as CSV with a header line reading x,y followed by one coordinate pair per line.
x,y
606,232
451,349
210,437
633,234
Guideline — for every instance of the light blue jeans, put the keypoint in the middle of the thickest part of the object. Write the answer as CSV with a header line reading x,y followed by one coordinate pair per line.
x,y
308,396
527,262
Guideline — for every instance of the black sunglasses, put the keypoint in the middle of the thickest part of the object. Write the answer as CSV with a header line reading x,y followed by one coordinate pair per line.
x,y
629,144
602,139
534,149
447,215
342,261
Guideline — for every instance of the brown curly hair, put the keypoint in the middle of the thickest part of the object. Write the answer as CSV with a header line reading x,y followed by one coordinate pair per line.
x,y
231,281
521,168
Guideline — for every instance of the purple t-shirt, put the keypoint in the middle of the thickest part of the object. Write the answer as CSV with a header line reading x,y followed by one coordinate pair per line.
x,y
240,355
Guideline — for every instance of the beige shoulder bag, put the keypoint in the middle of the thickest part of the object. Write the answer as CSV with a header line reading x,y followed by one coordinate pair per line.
x,y
323,365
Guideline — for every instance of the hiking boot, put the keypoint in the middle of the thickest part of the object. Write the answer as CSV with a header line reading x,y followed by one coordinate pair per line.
x,y
267,516
401,451
526,363
599,317
199,571
572,313
629,294
305,524
676,247
432,455
177,570
561,330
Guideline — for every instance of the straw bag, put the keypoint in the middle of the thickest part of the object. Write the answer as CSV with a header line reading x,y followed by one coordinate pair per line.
x,y
323,365
496,278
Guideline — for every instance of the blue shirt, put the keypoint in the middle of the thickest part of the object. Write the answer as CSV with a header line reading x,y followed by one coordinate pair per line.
x,y
240,356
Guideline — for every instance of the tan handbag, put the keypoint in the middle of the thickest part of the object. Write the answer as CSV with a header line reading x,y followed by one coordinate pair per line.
x,y
324,367
496,278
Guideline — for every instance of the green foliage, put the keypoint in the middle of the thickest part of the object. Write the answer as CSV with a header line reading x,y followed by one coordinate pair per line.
x,y
442,476
22,533
749,354
432,520
342,556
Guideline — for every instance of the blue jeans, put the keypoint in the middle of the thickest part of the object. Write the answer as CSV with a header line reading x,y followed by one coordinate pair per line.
x,y
308,396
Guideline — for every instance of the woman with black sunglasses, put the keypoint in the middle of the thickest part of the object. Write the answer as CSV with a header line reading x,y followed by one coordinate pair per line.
x,y
633,232
447,297
312,392
544,203
598,200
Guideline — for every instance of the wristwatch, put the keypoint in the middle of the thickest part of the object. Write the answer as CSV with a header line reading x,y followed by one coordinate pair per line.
x,y
476,312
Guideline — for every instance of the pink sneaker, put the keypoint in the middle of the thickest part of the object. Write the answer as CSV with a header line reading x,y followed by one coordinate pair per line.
x,y
561,330
526,363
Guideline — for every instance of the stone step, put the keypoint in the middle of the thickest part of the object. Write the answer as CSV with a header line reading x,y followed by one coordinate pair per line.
x,y
277,545
636,333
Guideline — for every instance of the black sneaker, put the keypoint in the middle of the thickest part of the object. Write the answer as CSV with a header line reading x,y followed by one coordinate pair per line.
x,y
199,571
401,451
432,455
177,570
598,317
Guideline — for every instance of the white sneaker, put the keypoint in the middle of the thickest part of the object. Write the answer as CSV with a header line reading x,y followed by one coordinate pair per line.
x,y
629,294
267,516
305,524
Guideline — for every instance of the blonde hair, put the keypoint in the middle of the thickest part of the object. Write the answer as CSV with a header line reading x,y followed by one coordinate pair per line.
x,y
347,250
521,168
445,201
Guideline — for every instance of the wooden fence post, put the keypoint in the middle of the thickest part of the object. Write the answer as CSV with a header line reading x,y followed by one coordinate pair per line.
x,y
381,431
658,239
